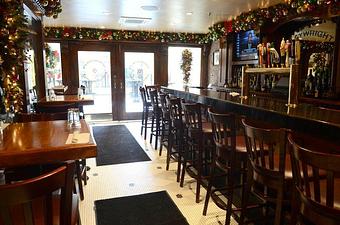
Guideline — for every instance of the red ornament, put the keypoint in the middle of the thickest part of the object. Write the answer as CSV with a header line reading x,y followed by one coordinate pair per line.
x,y
228,25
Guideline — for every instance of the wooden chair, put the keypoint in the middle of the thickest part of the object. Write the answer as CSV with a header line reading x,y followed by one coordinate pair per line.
x,y
230,159
196,155
266,147
35,201
316,200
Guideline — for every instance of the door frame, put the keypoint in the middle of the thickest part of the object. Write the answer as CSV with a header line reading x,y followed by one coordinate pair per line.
x,y
91,46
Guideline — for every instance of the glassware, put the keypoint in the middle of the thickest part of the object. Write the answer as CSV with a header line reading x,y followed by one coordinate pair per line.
x,y
73,116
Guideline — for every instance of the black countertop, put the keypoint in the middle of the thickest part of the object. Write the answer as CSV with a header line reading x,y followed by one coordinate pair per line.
x,y
305,117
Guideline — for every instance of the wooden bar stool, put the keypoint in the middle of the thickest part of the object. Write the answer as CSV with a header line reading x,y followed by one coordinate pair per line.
x,y
230,159
156,117
316,200
177,134
146,113
266,147
196,155
165,122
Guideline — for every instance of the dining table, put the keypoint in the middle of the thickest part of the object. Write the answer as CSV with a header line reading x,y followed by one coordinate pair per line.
x,y
44,142
67,99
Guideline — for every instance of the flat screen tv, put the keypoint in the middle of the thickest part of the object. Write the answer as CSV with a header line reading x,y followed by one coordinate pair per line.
x,y
246,45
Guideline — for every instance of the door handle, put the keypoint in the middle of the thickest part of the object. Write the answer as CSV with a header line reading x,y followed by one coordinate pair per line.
x,y
114,85
121,85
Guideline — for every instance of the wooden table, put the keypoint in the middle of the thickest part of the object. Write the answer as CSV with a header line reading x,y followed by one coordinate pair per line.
x,y
67,99
43,142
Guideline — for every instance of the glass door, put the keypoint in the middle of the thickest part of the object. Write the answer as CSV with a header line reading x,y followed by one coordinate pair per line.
x,y
95,75
138,71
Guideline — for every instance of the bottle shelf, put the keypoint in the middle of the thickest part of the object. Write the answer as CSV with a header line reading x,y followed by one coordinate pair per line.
x,y
281,71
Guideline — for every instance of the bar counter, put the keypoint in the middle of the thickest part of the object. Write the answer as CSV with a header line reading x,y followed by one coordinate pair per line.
x,y
306,118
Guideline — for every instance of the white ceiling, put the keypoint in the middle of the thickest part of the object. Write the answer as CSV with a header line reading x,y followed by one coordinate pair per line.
x,y
171,15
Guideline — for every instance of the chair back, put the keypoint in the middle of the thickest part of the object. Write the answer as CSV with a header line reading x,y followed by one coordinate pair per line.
x,y
143,96
176,113
148,88
30,201
266,148
164,106
319,197
224,135
193,117
154,101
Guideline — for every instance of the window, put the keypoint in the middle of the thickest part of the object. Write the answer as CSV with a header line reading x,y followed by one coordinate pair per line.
x,y
174,69
53,70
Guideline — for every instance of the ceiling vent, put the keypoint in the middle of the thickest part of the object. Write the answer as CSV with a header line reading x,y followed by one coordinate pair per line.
x,y
133,20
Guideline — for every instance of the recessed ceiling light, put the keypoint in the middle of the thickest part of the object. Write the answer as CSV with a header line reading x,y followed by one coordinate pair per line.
x,y
102,27
107,13
189,13
149,7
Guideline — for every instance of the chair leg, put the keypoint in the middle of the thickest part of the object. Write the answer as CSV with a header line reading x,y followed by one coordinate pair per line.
x,y
152,128
169,150
210,182
199,174
162,138
142,127
79,180
146,117
157,131
278,210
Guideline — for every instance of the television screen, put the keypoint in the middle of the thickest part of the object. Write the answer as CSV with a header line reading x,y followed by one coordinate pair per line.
x,y
246,45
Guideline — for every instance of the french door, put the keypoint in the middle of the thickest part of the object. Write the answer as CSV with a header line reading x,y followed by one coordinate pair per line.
x,y
138,71
113,76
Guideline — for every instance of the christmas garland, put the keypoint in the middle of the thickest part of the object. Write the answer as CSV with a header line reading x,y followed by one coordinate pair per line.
x,y
13,43
122,35
12,55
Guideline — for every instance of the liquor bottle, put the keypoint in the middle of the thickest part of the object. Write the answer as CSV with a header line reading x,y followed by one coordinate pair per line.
x,y
309,84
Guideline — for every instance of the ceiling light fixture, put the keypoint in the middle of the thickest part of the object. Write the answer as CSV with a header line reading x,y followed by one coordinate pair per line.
x,y
189,13
107,13
149,7
133,20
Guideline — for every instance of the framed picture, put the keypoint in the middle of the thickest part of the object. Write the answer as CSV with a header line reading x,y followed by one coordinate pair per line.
x,y
216,58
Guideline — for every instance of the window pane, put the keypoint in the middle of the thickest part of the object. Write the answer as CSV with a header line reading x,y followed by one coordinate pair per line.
x,y
53,74
95,76
139,71
174,63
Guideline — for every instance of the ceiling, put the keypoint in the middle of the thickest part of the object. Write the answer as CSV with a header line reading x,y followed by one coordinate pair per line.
x,y
165,15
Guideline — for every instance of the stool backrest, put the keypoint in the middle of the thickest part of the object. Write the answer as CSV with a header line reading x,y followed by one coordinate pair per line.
x,y
176,112
224,134
317,196
264,145
143,96
193,117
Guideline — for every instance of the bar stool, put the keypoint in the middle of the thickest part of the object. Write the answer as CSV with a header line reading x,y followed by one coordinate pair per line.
x,y
165,122
147,111
230,159
156,117
266,147
317,200
197,153
177,137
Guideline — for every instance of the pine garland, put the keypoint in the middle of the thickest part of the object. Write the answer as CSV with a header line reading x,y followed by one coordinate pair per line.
x,y
186,64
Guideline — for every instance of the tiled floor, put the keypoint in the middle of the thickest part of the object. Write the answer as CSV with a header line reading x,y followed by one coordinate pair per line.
x,y
143,177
